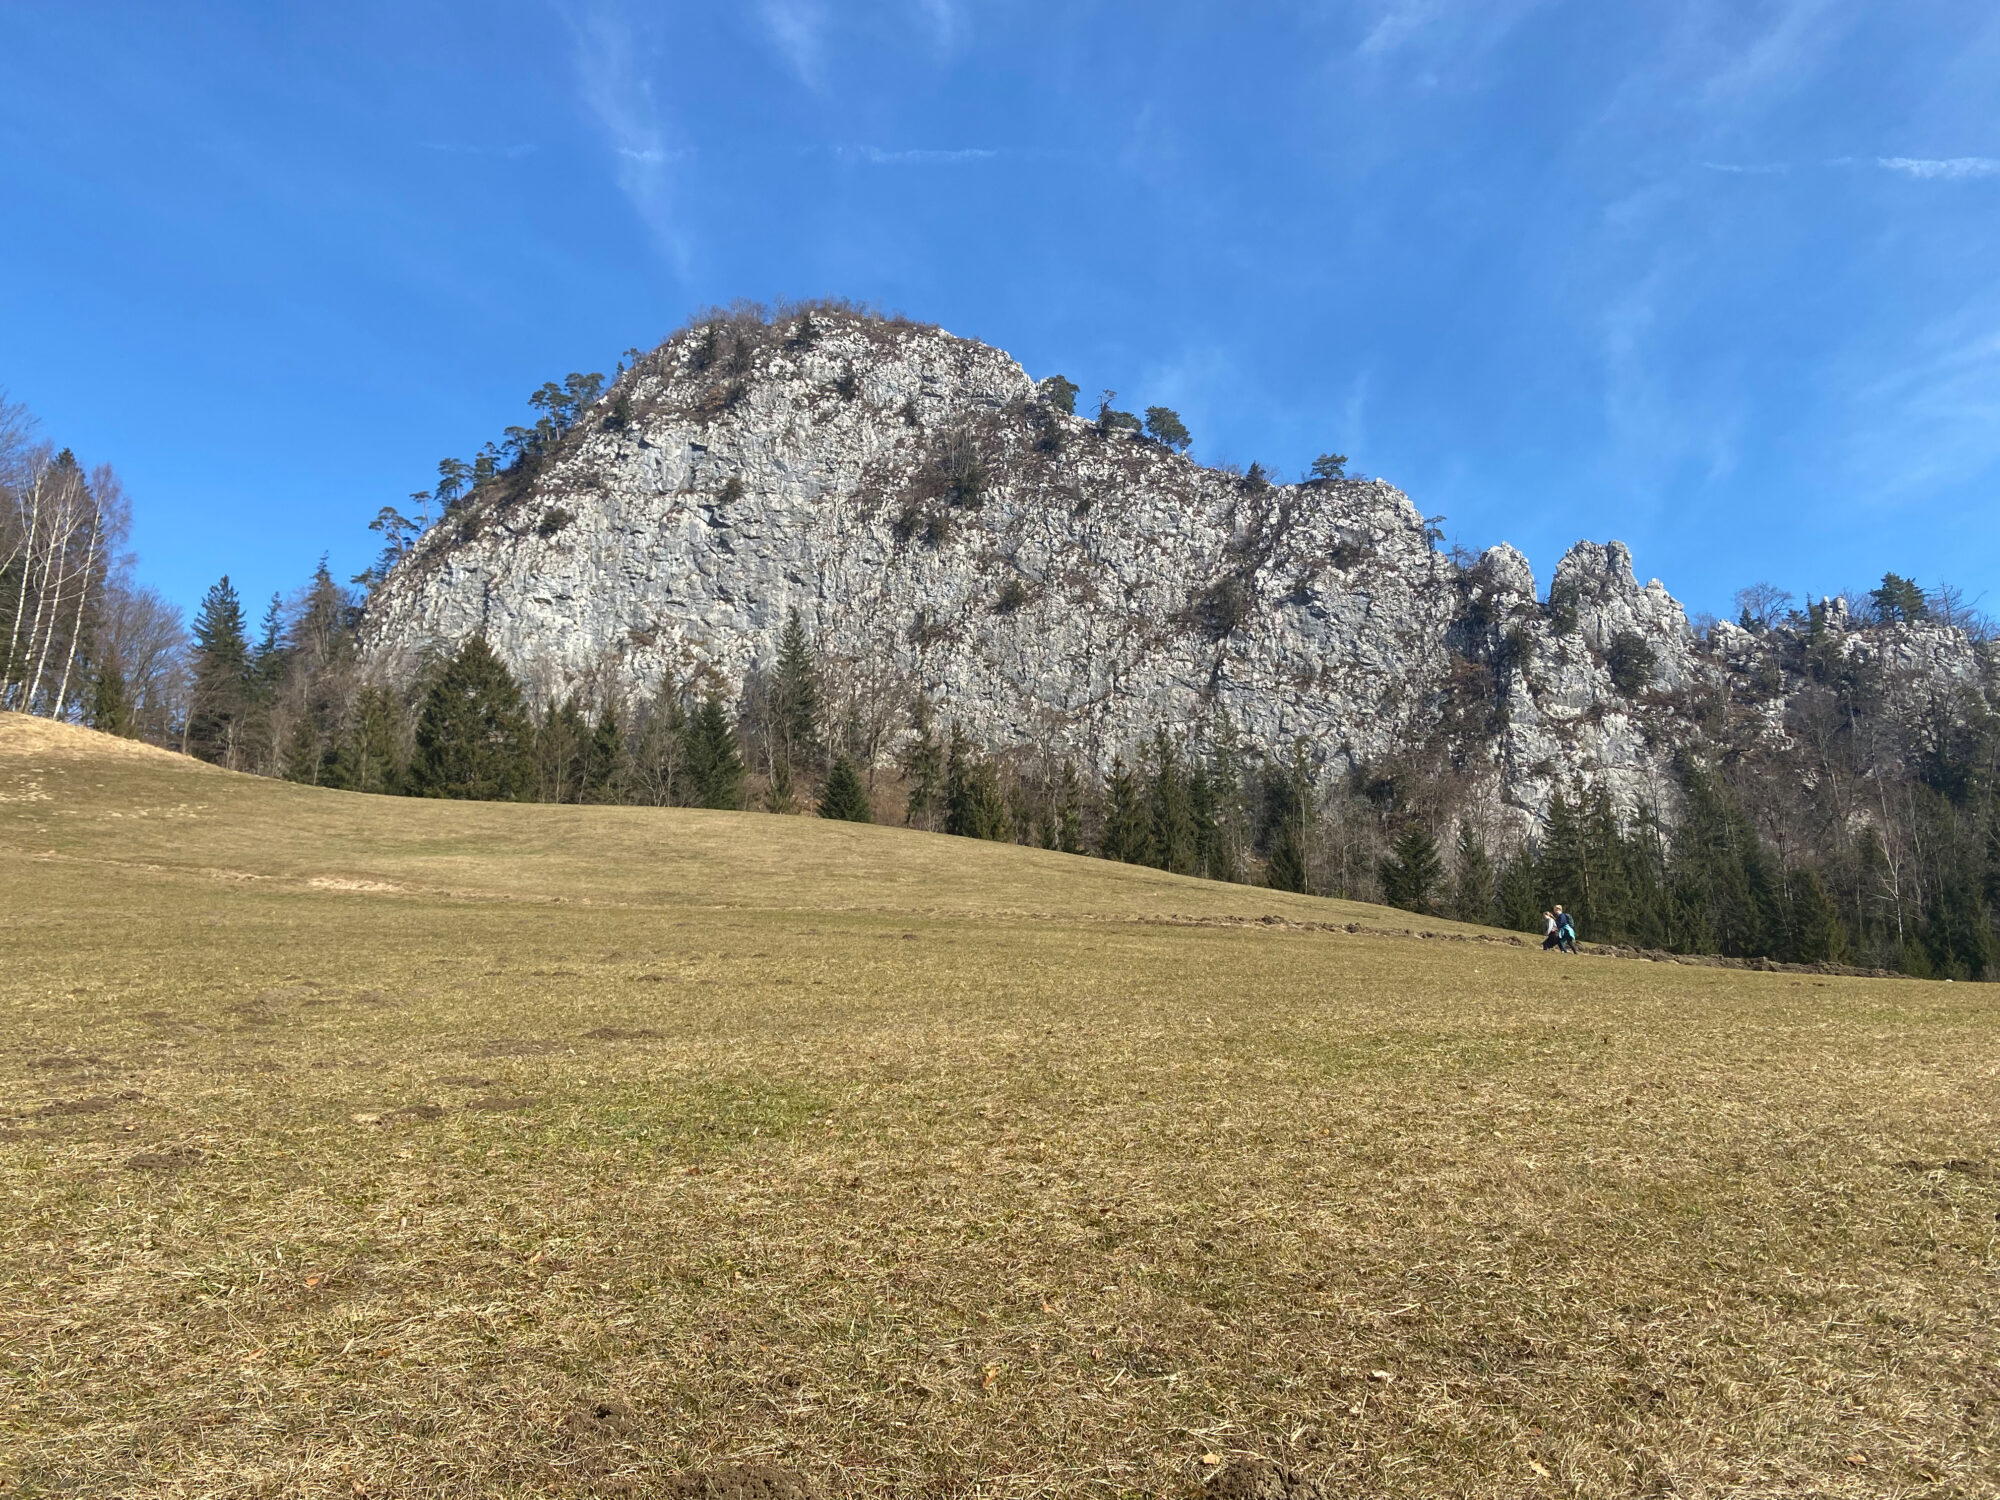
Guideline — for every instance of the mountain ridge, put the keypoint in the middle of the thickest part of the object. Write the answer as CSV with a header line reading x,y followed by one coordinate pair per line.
x,y
1058,586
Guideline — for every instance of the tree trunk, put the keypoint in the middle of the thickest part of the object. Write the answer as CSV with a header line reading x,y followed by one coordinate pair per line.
x,y
95,522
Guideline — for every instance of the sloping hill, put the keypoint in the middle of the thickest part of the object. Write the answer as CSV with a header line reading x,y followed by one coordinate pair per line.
x,y
364,1146
79,797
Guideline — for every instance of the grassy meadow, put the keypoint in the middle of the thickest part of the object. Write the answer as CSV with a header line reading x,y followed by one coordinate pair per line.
x,y
370,1147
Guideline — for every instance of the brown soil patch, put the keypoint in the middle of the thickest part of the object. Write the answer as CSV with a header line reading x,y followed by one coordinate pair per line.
x,y
68,1061
463,1081
505,1046
417,1112
1978,1171
1259,1479
619,1034
175,1160
736,1482
495,1103
86,1106
602,1421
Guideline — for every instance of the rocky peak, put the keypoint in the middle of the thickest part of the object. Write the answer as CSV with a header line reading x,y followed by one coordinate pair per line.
x,y
1058,586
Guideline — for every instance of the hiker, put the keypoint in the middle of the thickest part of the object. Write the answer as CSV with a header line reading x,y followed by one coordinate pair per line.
x,y
1565,931
1550,936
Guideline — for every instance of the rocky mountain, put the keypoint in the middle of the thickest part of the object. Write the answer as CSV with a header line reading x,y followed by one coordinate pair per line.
x,y
945,527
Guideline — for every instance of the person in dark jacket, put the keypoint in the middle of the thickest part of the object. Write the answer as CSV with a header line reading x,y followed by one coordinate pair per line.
x,y
1551,935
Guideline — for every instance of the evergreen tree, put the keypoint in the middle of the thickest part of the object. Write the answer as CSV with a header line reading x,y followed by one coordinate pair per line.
x,y
318,666
714,768
1957,937
369,755
604,779
923,770
1413,873
1899,599
974,807
221,678
562,752
1812,928
1067,806
1172,839
1127,827
1721,891
1288,812
1562,869
1164,426
793,730
472,734
844,797
1473,885
110,707
1516,893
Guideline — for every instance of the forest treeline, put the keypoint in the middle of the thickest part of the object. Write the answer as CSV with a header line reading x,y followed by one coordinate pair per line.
x,y
1868,833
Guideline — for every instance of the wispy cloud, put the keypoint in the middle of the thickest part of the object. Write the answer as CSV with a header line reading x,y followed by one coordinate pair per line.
x,y
1748,169
875,156
946,21
1782,57
797,28
1928,421
1450,27
1950,166
620,98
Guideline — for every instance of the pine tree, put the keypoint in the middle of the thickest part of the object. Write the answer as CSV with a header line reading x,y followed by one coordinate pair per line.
x,y
1812,928
1288,811
1068,810
369,756
923,770
1516,894
221,678
473,734
973,806
110,702
1171,836
792,734
844,797
604,778
1413,872
562,752
1127,826
714,767
318,658
1473,885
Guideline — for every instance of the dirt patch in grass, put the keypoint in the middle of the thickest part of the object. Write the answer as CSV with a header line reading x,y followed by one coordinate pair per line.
x,y
736,1482
463,1081
177,1159
501,1103
623,1034
1259,1479
92,1106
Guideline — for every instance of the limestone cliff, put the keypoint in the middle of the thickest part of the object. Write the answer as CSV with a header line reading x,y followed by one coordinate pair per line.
x,y
943,529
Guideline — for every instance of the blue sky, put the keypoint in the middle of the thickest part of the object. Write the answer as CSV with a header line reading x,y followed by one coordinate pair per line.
x,y
1718,278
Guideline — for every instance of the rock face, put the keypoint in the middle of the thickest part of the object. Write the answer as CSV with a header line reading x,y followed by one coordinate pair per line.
x,y
942,529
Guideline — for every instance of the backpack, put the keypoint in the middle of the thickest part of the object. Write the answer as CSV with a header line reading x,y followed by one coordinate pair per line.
x,y
1565,926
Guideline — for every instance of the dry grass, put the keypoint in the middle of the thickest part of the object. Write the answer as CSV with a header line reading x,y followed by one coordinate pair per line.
x,y
363,1146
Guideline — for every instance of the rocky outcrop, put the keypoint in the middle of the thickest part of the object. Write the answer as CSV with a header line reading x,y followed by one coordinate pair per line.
x,y
1047,581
